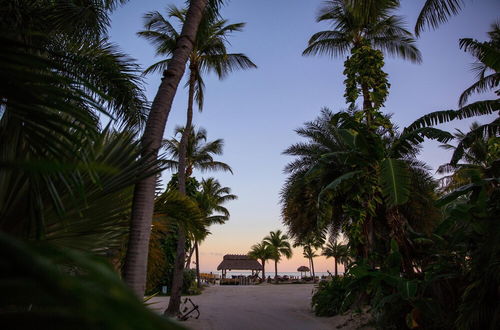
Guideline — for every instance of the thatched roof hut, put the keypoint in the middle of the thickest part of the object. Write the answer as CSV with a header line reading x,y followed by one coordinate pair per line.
x,y
303,269
239,262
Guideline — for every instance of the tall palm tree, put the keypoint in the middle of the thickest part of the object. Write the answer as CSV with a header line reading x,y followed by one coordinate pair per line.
x,y
210,199
200,156
262,252
338,252
208,53
278,243
135,268
361,23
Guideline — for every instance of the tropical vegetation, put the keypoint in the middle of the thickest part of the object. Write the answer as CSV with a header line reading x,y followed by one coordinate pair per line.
x,y
414,241
87,226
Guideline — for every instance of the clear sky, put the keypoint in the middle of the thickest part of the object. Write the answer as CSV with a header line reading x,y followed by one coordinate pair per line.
x,y
256,111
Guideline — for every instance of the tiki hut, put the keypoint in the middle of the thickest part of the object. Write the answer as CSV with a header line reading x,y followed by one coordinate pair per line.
x,y
238,262
303,269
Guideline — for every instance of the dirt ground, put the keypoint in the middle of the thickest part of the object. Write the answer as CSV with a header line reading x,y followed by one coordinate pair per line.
x,y
260,307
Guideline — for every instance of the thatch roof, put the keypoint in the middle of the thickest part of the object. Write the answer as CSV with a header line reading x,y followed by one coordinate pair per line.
x,y
303,269
239,262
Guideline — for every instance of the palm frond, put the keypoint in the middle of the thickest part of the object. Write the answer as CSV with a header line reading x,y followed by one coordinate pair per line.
x,y
395,182
436,12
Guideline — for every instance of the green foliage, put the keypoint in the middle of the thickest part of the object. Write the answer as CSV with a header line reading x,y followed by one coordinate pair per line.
x,y
331,298
189,282
394,179
47,287
364,76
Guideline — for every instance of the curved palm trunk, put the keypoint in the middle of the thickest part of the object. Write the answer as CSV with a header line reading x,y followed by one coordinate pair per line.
x,y
263,270
197,255
175,297
135,267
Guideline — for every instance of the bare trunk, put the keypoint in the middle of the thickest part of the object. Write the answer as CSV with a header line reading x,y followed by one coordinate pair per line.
x,y
276,270
193,19
312,267
336,268
263,270
188,261
135,267
197,264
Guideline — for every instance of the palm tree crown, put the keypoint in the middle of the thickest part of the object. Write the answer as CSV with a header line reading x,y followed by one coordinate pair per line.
x,y
356,22
209,52
279,244
199,154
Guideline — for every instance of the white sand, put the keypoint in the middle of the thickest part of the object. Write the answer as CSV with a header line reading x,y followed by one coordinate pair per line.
x,y
261,307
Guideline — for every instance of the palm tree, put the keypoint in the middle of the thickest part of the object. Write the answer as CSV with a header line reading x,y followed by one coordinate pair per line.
x,y
200,153
278,243
262,252
207,54
360,26
200,156
135,268
210,199
337,251
309,254
340,177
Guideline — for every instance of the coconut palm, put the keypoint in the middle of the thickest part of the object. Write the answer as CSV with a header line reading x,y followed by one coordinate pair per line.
x,y
262,252
278,243
135,268
210,200
207,54
358,21
338,252
364,29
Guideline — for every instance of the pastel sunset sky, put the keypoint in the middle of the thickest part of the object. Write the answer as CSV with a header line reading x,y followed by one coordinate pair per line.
x,y
256,111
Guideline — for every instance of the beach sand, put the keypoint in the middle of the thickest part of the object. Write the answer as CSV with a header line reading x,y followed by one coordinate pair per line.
x,y
260,307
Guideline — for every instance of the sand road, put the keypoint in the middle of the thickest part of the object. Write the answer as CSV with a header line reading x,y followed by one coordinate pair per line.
x,y
260,307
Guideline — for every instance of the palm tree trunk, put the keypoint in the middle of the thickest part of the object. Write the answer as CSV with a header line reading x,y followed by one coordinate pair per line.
x,y
135,267
367,104
188,261
175,297
263,270
312,267
197,263
336,268
276,270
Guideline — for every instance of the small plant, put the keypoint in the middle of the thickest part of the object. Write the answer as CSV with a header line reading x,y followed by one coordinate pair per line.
x,y
330,298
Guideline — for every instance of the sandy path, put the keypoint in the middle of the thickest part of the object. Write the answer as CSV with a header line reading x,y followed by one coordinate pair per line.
x,y
262,307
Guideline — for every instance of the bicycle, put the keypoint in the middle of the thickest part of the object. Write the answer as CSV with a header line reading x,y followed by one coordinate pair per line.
x,y
186,310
